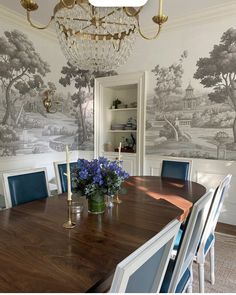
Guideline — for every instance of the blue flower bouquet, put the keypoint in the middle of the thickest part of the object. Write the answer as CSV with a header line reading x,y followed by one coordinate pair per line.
x,y
98,178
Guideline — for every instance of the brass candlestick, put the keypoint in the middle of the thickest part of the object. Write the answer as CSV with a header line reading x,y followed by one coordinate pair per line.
x,y
69,224
117,199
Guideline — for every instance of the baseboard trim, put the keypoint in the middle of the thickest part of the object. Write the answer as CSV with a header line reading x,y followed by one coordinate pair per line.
x,y
225,228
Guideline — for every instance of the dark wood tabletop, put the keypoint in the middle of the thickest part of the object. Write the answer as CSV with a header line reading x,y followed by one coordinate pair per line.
x,y
38,255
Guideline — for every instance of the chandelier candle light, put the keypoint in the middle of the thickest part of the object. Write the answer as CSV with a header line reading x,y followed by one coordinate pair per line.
x,y
96,38
68,224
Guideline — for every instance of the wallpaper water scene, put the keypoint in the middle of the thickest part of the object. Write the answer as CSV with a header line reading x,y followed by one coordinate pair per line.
x,y
196,123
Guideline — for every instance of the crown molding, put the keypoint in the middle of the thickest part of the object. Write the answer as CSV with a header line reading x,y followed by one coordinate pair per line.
x,y
208,15
203,16
21,22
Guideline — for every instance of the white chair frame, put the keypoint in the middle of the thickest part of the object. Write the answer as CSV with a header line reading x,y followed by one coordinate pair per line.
x,y
5,177
179,160
209,228
188,247
135,260
57,175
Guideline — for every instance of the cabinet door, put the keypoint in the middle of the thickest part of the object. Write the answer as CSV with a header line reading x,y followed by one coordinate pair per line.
x,y
128,164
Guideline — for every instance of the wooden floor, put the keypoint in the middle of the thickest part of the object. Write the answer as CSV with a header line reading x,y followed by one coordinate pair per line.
x,y
226,228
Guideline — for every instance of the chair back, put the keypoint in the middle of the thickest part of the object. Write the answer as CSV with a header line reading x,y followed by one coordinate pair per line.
x,y
143,270
176,169
215,209
25,186
61,179
191,239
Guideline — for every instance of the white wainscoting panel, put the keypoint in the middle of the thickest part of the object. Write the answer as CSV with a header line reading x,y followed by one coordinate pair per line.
x,y
37,161
207,172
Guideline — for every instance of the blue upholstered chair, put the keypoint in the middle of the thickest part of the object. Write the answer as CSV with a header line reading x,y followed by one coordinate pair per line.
x,y
25,186
61,179
178,277
143,270
208,237
176,169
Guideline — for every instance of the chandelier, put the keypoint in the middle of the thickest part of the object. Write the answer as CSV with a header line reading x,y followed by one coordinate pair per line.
x,y
95,38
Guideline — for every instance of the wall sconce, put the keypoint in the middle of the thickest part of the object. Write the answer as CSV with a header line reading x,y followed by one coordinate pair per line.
x,y
47,101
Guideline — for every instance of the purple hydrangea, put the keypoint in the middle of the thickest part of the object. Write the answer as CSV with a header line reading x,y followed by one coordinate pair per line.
x,y
99,176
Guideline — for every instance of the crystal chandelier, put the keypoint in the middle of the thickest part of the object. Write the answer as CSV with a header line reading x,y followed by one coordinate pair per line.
x,y
95,38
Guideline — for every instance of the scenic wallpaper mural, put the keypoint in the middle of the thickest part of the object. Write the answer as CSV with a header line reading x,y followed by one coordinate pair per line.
x,y
25,126
190,109
187,122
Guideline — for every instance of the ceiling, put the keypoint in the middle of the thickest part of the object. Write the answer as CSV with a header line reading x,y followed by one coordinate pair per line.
x,y
173,8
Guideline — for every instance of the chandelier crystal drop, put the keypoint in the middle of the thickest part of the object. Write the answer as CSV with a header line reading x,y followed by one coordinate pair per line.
x,y
98,39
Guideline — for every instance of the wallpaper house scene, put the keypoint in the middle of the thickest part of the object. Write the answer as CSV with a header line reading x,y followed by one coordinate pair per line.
x,y
127,119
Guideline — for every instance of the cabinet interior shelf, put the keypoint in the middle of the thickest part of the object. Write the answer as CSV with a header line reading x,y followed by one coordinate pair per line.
x,y
125,109
122,131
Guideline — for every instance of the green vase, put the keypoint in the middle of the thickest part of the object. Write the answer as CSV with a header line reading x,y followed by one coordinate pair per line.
x,y
96,204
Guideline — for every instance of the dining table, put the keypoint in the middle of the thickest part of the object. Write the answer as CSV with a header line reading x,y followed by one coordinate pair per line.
x,y
37,254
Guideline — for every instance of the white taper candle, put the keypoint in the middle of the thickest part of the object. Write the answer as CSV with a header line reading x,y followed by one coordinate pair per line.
x,y
160,7
68,174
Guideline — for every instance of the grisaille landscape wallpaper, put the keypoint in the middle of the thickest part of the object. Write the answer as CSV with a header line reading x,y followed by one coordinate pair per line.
x,y
191,96
26,127
185,122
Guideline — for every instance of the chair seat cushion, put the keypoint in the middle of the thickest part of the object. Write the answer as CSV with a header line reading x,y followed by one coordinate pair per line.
x,y
182,283
209,242
178,239
62,169
207,245
174,169
27,187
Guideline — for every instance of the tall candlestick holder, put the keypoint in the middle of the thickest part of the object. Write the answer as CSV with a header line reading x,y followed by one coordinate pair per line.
x,y
69,224
117,200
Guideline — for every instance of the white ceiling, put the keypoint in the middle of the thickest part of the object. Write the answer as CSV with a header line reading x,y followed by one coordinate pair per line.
x,y
173,8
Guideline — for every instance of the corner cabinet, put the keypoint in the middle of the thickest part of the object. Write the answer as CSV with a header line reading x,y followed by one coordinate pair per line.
x,y
119,116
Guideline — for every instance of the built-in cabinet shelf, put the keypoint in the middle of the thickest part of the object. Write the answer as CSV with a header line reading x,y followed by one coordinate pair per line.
x,y
121,131
123,110
114,125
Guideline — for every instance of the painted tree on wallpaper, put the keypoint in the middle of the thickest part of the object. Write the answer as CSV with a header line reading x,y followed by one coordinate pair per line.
x,y
25,127
21,70
168,82
181,122
218,72
83,81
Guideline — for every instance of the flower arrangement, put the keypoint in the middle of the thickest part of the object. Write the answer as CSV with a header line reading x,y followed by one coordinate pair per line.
x,y
98,177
